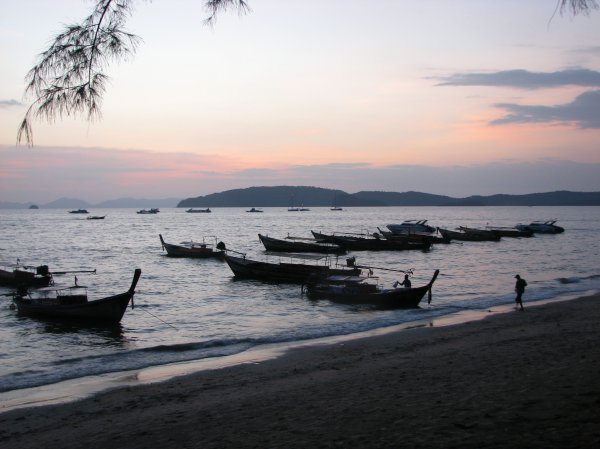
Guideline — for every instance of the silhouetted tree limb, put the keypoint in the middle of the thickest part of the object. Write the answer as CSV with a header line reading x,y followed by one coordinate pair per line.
x,y
69,77
578,6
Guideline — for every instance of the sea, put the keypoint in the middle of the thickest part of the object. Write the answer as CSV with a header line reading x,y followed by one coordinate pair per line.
x,y
188,310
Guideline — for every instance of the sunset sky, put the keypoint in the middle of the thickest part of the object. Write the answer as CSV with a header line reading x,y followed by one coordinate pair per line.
x,y
447,97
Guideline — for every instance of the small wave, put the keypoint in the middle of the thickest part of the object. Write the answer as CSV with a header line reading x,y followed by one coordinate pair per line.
x,y
568,280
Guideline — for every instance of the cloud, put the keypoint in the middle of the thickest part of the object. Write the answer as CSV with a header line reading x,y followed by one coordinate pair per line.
x,y
97,174
590,51
584,112
523,79
9,103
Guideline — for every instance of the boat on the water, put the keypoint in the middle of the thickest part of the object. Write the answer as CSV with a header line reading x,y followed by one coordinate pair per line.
x,y
364,243
509,231
411,226
482,232
296,268
299,245
73,304
254,209
96,217
357,290
199,211
201,250
20,275
414,236
148,211
79,211
469,236
542,227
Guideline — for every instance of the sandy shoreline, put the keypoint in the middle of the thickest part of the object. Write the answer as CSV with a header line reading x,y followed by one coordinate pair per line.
x,y
520,379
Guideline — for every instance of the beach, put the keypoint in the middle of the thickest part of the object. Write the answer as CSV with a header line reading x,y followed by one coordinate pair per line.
x,y
517,379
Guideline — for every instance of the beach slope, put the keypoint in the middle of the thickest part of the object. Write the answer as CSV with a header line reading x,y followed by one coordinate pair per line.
x,y
519,379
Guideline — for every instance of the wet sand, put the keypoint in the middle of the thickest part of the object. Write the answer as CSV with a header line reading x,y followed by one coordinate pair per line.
x,y
518,379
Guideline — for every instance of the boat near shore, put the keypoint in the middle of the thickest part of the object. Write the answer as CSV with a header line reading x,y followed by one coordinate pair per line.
x,y
357,242
19,275
295,268
72,304
358,290
299,245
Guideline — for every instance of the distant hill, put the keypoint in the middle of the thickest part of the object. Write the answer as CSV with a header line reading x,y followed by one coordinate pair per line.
x,y
280,196
286,196
74,203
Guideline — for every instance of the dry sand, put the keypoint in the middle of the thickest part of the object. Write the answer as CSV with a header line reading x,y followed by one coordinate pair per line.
x,y
521,379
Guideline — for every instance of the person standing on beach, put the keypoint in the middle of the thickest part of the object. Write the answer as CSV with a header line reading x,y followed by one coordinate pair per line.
x,y
520,289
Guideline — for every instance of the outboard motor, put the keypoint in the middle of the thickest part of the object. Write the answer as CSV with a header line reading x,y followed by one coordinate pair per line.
x,y
350,261
221,246
42,270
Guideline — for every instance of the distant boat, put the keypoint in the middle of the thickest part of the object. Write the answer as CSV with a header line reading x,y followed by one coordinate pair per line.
x,y
150,211
293,208
254,210
96,217
335,206
199,211
34,206
79,211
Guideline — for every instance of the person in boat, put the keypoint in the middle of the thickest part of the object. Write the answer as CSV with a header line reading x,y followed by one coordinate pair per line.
x,y
520,289
405,283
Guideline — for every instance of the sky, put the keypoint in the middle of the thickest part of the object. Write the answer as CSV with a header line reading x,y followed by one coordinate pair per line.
x,y
456,97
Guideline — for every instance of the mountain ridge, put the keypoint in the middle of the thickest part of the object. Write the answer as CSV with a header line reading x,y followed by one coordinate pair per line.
x,y
289,196
310,196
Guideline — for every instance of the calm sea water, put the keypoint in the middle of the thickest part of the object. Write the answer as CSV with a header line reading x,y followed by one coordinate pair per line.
x,y
189,309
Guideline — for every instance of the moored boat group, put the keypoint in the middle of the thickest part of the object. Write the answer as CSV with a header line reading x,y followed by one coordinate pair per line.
x,y
301,260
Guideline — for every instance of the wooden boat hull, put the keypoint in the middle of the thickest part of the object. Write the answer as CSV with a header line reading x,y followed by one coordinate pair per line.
x,y
414,237
106,310
469,236
371,244
197,252
279,245
281,272
512,232
400,298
